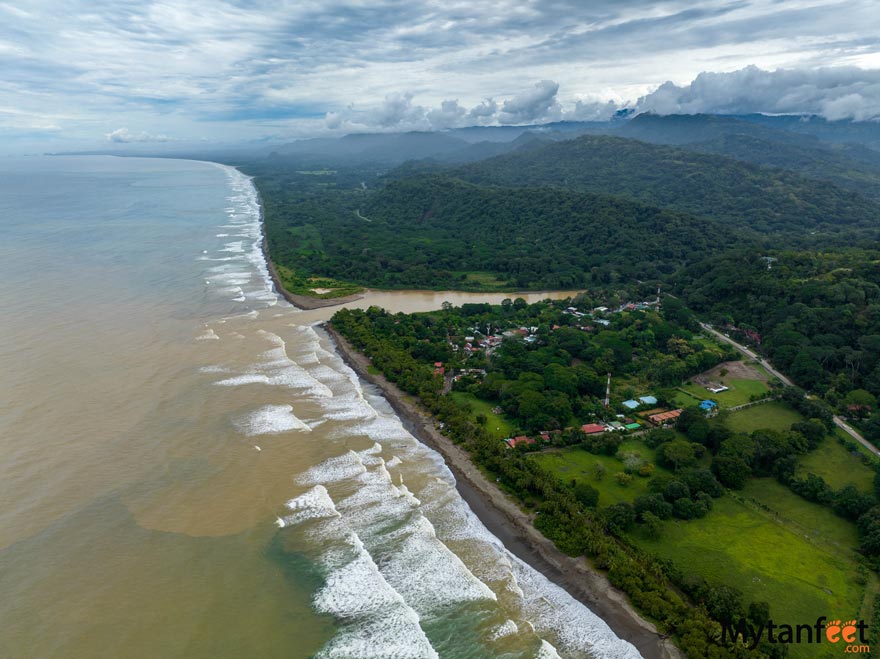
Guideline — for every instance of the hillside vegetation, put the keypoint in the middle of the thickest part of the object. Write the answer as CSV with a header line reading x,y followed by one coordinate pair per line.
x,y
732,191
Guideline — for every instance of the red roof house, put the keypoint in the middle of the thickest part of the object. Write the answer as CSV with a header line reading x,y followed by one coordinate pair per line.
x,y
520,439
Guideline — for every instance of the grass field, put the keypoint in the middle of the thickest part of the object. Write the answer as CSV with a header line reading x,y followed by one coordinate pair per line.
x,y
495,425
773,415
833,462
740,392
809,519
576,463
487,280
299,284
740,545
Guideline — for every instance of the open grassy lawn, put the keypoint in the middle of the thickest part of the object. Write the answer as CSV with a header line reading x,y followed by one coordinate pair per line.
x,y
495,425
773,415
485,280
740,545
740,392
817,522
576,463
834,462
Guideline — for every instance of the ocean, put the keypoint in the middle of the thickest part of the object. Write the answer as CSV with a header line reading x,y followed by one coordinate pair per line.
x,y
187,467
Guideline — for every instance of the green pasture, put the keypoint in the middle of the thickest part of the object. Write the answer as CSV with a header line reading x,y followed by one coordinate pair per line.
x,y
576,463
496,425
740,393
767,559
838,466
772,415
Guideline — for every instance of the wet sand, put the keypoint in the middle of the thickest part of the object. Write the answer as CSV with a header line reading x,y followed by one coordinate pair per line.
x,y
513,526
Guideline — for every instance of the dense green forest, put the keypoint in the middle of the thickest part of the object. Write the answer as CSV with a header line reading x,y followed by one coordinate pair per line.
x,y
548,378
729,190
430,231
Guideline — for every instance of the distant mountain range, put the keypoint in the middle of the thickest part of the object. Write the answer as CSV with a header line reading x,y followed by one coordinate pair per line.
x,y
806,138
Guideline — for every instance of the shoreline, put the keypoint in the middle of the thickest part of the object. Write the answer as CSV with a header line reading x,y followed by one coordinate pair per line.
x,y
493,508
299,301
513,527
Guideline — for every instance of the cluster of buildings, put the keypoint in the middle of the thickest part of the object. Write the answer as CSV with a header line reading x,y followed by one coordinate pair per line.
x,y
473,343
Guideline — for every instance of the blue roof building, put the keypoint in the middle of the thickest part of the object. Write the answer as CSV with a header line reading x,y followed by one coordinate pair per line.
x,y
631,404
708,405
648,400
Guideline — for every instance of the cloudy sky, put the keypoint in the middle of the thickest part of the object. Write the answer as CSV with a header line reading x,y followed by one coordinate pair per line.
x,y
93,73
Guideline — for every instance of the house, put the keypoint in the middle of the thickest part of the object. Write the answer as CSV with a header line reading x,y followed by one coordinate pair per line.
x,y
632,426
438,368
513,442
592,428
717,388
647,400
631,404
663,418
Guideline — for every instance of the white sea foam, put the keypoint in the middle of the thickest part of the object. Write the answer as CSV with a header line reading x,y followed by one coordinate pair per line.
x,y
426,572
214,368
314,504
334,469
357,589
508,628
374,619
391,636
207,335
275,368
547,651
271,419
244,216
576,629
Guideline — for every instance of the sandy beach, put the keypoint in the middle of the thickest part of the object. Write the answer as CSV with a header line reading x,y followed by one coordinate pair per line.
x,y
513,526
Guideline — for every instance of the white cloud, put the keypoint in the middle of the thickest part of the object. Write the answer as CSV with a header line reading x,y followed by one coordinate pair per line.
x,y
449,115
536,104
125,136
834,93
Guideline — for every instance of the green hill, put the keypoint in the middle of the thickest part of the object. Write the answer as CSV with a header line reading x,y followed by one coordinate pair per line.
x,y
849,166
732,191
431,231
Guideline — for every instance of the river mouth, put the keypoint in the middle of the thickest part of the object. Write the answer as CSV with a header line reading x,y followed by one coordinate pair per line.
x,y
414,301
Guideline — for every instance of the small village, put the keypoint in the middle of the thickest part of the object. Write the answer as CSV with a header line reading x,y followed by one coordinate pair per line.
x,y
635,415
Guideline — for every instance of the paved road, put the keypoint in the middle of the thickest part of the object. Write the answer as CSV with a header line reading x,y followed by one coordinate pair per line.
x,y
751,355
840,423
